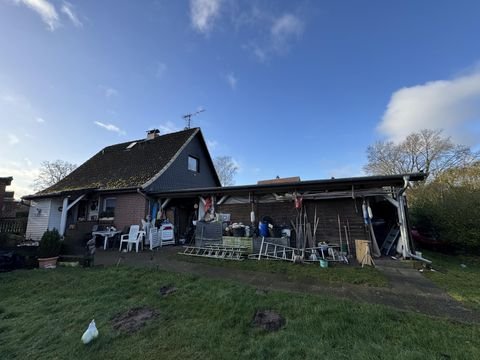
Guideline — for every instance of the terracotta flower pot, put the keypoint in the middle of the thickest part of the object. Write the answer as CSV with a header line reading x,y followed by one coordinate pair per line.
x,y
47,263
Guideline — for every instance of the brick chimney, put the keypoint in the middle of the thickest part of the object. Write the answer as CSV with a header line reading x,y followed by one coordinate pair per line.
x,y
152,134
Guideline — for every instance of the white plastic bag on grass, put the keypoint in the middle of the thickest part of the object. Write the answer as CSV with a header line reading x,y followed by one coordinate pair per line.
x,y
90,334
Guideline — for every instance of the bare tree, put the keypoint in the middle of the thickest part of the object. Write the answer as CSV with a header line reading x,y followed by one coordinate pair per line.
x,y
52,172
226,169
426,150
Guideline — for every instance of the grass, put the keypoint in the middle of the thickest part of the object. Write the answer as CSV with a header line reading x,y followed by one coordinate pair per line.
x,y
462,283
43,314
336,274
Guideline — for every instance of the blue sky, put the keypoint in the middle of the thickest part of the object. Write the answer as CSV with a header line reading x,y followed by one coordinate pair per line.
x,y
289,87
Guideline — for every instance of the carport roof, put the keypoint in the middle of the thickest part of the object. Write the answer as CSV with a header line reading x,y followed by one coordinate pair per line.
x,y
364,182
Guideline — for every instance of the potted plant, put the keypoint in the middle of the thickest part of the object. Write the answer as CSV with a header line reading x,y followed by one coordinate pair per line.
x,y
49,249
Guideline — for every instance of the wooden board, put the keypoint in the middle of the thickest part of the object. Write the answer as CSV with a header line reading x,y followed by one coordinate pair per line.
x,y
361,248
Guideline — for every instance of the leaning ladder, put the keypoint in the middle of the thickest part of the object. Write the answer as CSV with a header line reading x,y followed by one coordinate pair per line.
x,y
390,240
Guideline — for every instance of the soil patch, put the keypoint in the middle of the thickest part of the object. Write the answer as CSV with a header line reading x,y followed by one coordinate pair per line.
x,y
268,320
133,320
168,289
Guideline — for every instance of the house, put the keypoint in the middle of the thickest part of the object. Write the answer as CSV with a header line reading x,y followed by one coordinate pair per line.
x,y
114,185
4,195
173,176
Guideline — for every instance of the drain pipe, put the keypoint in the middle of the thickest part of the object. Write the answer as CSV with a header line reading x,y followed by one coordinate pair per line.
x,y
148,198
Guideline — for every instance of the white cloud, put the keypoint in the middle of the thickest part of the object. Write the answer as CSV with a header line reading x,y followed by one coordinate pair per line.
x,y
282,32
286,26
45,9
168,127
68,9
161,68
231,80
110,127
16,100
13,139
203,14
452,105
40,120
109,92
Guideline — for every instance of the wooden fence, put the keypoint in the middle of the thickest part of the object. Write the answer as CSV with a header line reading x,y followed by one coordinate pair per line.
x,y
17,226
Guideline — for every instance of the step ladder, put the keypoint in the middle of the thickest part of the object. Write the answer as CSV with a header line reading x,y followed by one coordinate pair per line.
x,y
390,240
225,252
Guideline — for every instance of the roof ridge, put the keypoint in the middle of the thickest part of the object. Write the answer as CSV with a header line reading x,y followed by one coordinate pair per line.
x,y
145,140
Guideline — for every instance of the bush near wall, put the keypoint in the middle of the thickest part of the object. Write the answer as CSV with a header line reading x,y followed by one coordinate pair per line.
x,y
449,207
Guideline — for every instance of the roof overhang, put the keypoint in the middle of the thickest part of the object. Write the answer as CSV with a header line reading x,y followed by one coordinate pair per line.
x,y
364,182
78,192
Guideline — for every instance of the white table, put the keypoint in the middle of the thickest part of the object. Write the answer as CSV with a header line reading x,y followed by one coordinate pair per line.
x,y
106,235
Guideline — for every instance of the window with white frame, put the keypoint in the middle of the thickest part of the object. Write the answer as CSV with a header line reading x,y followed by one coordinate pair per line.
x,y
193,163
109,205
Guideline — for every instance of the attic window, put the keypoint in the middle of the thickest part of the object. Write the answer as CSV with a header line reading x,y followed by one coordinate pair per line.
x,y
193,164
131,145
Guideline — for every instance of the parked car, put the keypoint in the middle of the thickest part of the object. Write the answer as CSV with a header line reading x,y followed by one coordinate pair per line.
x,y
428,240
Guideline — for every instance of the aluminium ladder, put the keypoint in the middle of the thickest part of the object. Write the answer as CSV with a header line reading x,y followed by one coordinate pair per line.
x,y
216,251
390,240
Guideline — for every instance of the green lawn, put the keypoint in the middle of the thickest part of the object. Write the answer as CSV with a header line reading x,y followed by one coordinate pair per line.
x,y
462,283
336,274
43,314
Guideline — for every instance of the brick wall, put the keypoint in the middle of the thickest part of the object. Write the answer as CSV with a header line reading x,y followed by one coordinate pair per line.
x,y
129,210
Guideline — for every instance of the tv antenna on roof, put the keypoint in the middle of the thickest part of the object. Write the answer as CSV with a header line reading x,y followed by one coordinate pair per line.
x,y
188,117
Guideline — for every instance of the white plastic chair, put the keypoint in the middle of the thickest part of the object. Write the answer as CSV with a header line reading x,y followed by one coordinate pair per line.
x,y
133,237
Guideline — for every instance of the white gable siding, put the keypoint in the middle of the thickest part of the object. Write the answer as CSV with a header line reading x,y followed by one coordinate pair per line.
x,y
38,220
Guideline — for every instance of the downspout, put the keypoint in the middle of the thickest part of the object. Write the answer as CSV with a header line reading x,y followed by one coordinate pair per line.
x,y
143,194
139,191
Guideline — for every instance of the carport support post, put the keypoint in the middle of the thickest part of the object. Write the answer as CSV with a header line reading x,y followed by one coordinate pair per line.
x,y
63,218
402,218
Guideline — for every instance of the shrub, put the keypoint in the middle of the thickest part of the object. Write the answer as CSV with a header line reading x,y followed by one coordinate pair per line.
x,y
50,244
451,213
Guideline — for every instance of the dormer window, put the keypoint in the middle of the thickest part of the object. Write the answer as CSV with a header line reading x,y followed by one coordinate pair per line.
x,y
193,164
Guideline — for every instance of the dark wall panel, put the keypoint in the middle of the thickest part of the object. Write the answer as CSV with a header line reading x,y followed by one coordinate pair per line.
x,y
327,211
177,176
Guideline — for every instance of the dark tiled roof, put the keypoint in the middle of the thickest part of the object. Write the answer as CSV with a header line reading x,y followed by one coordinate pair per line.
x,y
116,167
